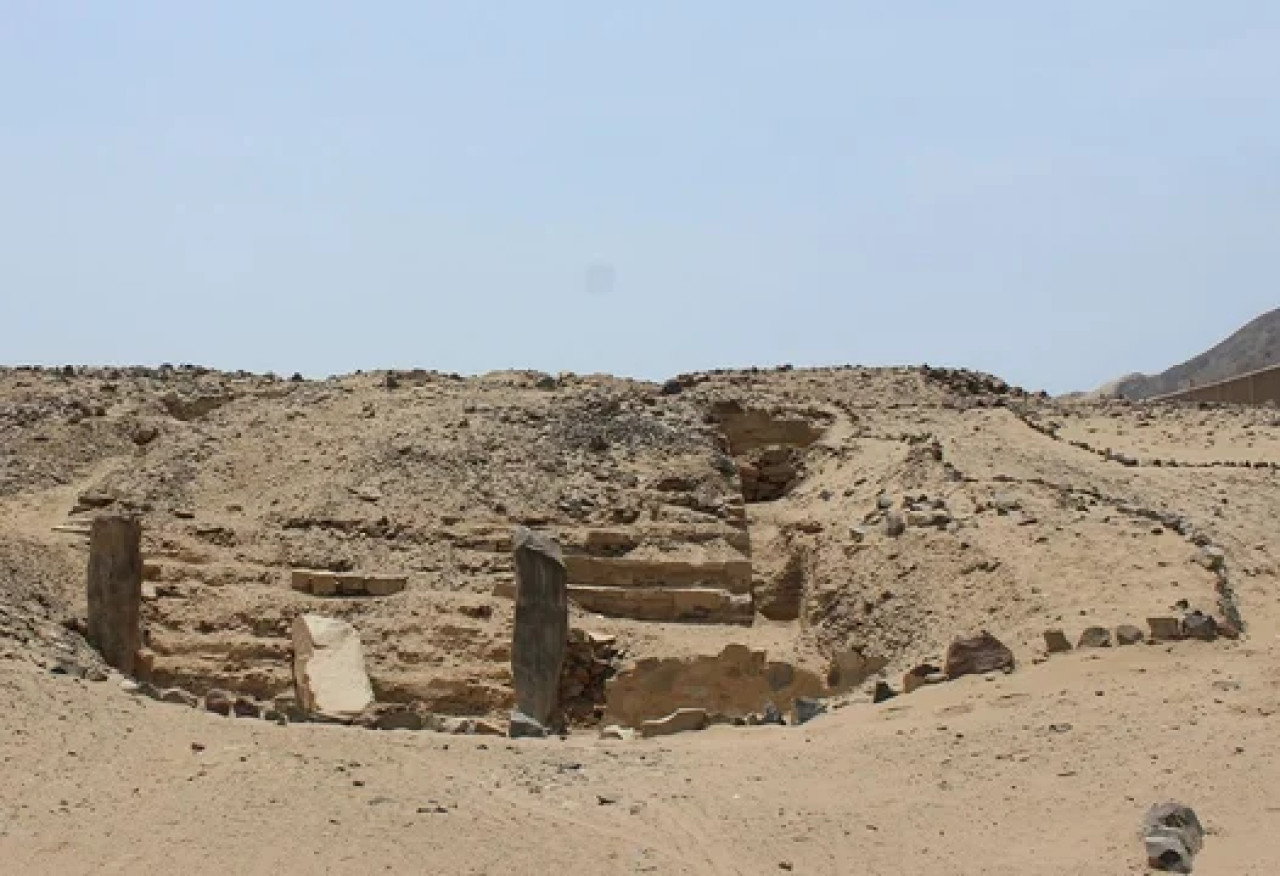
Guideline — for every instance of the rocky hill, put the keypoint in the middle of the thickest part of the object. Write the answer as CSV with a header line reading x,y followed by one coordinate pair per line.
x,y
1253,347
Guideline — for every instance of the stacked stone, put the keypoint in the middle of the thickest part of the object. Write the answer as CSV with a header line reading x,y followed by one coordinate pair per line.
x,y
589,663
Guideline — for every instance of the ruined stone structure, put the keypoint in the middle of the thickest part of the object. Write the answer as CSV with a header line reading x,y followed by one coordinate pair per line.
x,y
115,590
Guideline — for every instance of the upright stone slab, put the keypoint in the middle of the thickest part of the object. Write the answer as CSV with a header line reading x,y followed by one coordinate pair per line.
x,y
328,668
115,590
541,625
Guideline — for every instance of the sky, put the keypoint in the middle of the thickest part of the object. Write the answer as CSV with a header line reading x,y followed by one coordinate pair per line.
x,y
1057,192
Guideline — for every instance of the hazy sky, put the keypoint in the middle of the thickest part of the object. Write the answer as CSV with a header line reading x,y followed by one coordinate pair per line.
x,y
1059,192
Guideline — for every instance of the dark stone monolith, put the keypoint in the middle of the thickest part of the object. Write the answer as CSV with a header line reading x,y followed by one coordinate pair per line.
x,y
115,590
541,624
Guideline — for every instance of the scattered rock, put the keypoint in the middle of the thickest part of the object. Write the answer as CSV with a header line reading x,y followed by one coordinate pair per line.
x,y
219,702
894,524
679,721
1005,503
919,676
1095,637
1211,557
1173,836
772,715
178,696
1056,641
882,691
978,655
244,707
1198,625
805,709
1164,629
1128,634
524,727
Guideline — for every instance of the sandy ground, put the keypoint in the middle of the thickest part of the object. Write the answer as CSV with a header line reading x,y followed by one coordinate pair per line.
x,y
1047,770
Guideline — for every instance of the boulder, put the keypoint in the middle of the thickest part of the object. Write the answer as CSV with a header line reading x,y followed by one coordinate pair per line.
x,y
679,721
1164,629
328,668
1095,637
541,627
978,655
1056,641
1128,634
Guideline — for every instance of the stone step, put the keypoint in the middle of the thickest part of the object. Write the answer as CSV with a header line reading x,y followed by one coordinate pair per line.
x,y
674,604
732,575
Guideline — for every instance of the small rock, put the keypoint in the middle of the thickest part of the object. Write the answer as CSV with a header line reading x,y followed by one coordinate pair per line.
x,y
1056,641
617,731
1211,557
1164,629
978,655
1173,836
805,709
772,715
524,727
1004,503
679,721
1128,634
919,676
1095,637
1198,625
882,691
219,701
180,697
245,707
884,502
894,524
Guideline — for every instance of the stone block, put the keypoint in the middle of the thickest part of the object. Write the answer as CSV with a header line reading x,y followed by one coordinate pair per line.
x,y
541,628
679,721
328,668
114,584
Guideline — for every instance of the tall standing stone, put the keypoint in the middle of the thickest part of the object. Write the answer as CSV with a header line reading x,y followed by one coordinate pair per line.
x,y
115,590
541,625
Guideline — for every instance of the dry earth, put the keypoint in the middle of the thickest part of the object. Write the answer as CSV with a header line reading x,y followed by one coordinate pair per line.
x,y
754,494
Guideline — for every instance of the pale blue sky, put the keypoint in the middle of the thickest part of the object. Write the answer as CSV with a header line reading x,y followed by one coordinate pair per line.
x,y
1058,192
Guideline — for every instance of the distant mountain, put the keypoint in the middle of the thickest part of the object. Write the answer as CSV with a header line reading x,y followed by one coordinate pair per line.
x,y
1255,346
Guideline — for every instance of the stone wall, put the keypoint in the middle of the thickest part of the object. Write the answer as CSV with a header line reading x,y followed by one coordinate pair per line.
x,y
1255,388
736,682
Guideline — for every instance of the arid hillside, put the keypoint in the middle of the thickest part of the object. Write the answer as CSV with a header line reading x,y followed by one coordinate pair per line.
x,y
843,524
1255,346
